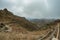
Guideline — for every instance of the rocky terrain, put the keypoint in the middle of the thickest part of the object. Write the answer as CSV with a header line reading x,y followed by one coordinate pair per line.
x,y
13,27
16,22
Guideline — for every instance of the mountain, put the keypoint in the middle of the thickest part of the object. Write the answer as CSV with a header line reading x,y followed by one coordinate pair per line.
x,y
13,27
16,23
42,22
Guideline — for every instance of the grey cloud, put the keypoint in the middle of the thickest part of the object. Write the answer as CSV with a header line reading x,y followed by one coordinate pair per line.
x,y
55,8
4,4
36,9
36,6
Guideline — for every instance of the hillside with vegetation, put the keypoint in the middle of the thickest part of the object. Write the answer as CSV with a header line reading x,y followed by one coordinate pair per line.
x,y
13,27
21,23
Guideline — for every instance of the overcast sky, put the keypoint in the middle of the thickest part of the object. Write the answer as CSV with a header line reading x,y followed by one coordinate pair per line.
x,y
33,8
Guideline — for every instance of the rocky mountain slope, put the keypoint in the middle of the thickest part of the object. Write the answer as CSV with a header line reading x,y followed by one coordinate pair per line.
x,y
13,27
15,22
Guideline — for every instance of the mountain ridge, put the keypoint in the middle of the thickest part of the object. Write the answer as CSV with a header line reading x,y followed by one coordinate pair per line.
x,y
7,17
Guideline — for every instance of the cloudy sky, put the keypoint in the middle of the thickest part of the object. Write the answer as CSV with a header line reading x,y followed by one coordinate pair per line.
x,y
33,8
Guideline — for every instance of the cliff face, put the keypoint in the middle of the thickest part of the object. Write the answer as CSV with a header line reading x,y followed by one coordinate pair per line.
x,y
16,22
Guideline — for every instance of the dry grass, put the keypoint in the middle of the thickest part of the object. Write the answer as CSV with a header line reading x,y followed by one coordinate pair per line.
x,y
14,36
21,36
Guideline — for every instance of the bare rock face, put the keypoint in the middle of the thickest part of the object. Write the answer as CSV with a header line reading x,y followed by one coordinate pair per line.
x,y
5,9
3,27
15,22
